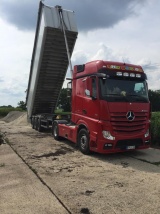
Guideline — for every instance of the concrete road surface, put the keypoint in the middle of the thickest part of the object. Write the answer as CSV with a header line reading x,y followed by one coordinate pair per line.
x,y
150,155
21,191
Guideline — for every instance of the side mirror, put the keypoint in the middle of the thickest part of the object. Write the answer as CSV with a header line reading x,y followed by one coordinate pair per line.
x,y
69,92
69,89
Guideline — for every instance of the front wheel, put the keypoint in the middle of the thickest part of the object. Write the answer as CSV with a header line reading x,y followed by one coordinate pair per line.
x,y
55,131
83,141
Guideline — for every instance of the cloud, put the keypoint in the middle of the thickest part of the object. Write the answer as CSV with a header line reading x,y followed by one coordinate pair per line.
x,y
149,66
108,54
16,50
90,14
102,53
12,91
1,80
79,57
22,14
153,73
116,30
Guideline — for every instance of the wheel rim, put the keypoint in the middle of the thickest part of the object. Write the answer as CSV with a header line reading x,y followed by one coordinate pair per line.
x,y
33,124
38,124
83,141
55,131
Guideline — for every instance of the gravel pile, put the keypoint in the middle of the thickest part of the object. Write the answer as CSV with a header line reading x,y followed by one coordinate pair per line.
x,y
16,118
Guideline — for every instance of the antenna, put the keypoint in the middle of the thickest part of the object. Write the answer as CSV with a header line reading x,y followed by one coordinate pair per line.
x,y
123,60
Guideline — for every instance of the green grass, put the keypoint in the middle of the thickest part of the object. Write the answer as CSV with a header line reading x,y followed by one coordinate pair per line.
x,y
155,128
61,112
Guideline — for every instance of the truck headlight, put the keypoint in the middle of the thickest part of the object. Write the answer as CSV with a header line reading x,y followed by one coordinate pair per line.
x,y
147,133
107,135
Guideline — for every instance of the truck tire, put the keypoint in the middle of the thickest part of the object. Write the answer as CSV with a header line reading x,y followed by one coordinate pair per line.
x,y
55,131
83,141
33,122
38,125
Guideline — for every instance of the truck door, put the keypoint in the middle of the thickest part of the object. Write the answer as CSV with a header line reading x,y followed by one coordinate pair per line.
x,y
91,101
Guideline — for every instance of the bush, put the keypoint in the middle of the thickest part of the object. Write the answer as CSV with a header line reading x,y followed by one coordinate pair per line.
x,y
155,128
57,111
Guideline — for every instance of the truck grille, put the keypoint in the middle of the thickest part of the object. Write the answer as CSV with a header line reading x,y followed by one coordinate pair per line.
x,y
122,125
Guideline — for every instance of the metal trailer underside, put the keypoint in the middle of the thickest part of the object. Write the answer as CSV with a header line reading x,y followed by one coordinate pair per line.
x,y
49,60
54,64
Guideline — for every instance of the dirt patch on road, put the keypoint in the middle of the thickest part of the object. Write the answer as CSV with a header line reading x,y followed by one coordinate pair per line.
x,y
92,184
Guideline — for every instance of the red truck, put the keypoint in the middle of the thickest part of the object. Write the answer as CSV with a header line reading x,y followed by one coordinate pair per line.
x,y
110,105
110,108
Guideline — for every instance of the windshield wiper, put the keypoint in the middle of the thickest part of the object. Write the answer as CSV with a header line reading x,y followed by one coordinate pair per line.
x,y
138,96
112,94
119,96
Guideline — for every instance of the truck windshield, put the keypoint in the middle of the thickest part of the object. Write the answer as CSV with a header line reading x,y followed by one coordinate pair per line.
x,y
120,90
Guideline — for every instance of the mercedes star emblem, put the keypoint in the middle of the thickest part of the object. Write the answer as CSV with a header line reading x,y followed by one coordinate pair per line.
x,y
130,115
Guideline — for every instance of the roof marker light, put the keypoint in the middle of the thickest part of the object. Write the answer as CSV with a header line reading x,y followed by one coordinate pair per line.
x,y
119,73
125,74
132,75
138,75
136,69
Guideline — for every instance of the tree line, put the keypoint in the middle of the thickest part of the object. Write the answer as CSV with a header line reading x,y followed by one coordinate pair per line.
x,y
154,97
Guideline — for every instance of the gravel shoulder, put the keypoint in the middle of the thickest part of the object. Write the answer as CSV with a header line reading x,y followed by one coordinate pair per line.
x,y
116,183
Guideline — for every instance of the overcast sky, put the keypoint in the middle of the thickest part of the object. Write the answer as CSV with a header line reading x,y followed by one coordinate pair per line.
x,y
117,30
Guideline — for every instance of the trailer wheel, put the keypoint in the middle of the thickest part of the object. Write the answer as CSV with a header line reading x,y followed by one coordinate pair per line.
x,y
55,131
83,141
38,125
33,122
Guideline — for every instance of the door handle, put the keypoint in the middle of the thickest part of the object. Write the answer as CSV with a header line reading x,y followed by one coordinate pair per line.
x,y
84,111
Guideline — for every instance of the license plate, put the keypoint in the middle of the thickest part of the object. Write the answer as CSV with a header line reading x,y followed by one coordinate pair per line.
x,y
130,147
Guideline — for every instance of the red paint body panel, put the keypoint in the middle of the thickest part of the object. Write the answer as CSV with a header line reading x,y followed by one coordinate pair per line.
x,y
98,115
94,66
69,132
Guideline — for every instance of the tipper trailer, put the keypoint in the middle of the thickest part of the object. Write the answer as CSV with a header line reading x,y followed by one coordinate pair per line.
x,y
49,61
109,102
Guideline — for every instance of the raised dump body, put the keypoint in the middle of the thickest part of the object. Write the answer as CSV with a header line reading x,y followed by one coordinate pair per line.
x,y
49,59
